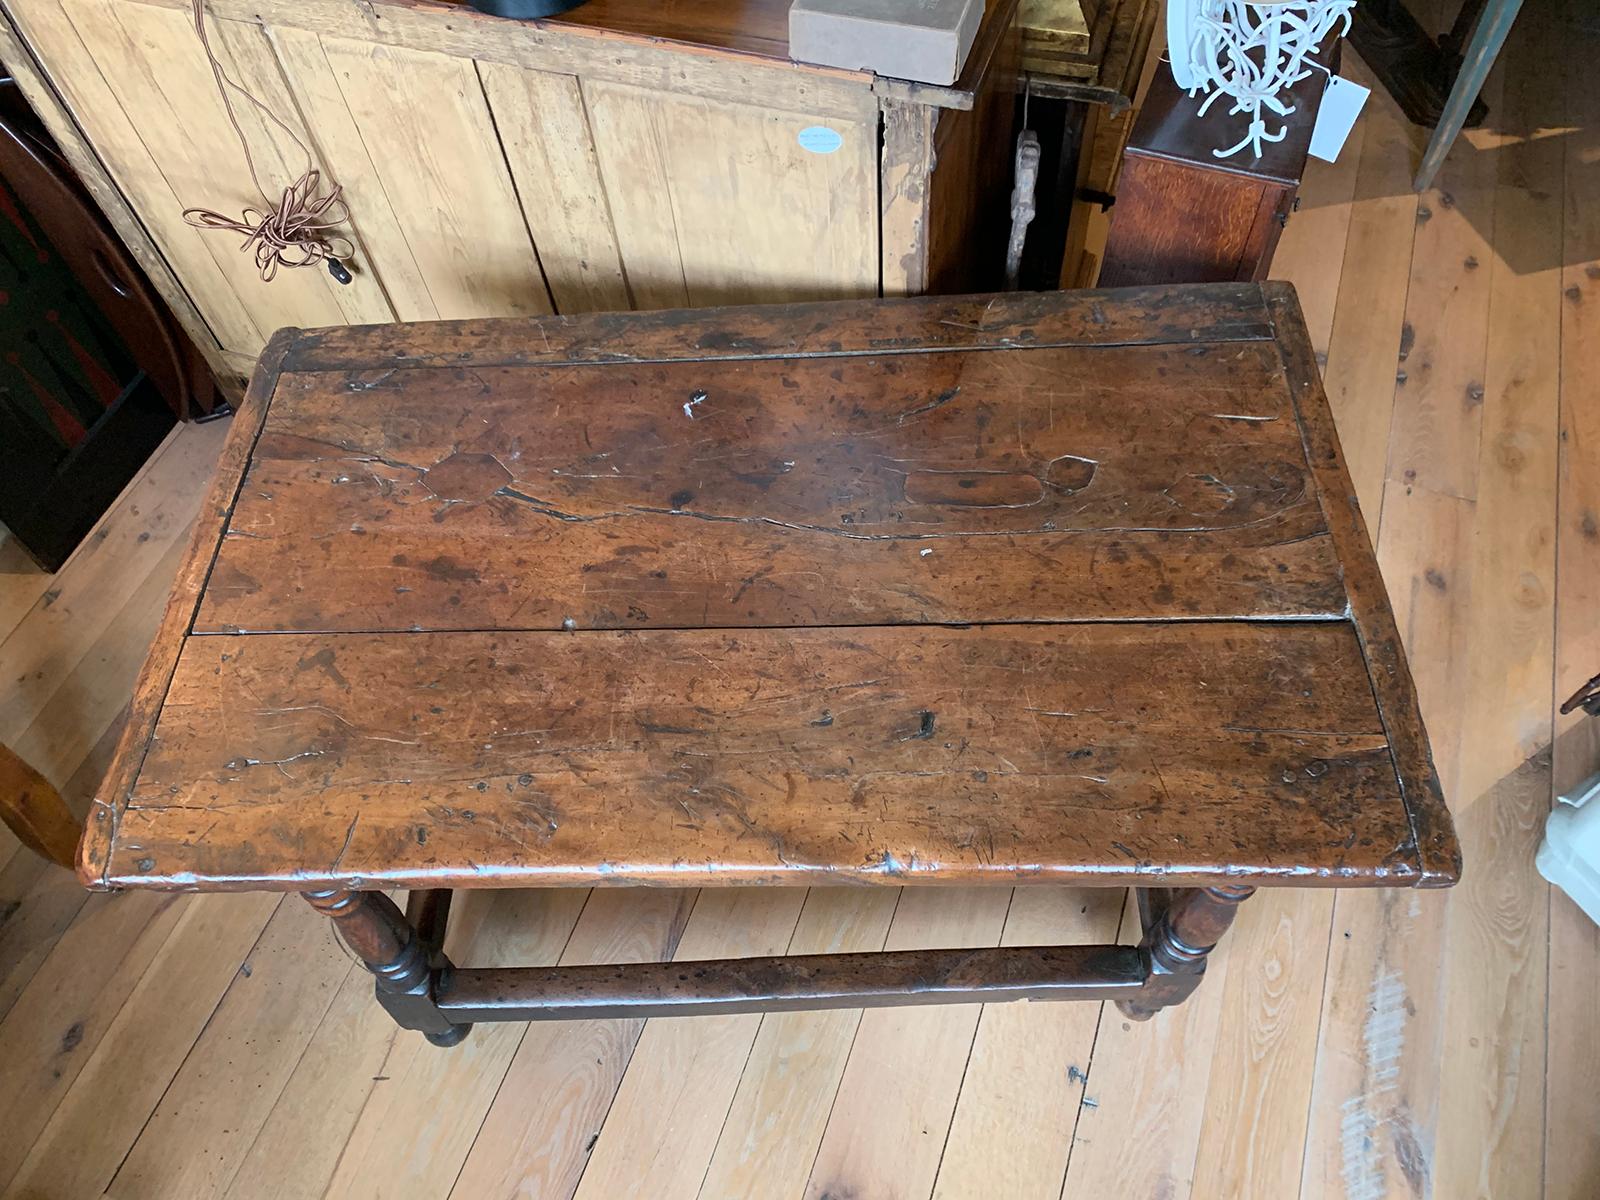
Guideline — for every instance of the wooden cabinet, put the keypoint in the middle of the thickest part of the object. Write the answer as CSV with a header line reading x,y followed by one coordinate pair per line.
x,y
503,168
1182,215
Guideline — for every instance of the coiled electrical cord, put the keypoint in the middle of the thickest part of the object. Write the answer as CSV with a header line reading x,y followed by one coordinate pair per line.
x,y
297,231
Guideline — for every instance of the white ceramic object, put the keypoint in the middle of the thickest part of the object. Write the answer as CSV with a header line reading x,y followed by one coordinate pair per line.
x,y
1181,23
1569,856
1252,51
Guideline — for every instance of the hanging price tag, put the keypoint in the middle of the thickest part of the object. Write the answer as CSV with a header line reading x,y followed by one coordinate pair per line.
x,y
1341,105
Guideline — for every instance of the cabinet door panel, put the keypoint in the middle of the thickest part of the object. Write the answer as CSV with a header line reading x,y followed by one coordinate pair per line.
x,y
430,145
382,248
719,203
544,130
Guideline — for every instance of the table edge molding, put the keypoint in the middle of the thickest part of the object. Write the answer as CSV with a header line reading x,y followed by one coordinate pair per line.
x,y
1437,851
155,676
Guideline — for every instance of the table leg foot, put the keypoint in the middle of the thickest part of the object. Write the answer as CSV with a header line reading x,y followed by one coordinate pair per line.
x,y
388,945
1178,941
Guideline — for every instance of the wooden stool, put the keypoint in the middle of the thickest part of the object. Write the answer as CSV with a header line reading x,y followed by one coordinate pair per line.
x,y
1026,589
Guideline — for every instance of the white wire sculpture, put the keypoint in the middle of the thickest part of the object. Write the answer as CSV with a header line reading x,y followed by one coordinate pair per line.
x,y
1252,51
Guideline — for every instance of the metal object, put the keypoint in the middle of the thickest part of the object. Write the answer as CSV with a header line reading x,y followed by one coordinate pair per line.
x,y
1023,209
1482,50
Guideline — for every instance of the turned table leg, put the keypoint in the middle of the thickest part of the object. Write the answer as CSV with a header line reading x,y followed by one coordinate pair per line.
x,y
1191,924
374,927
35,811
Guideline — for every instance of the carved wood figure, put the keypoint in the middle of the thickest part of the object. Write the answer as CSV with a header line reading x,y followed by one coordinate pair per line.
x,y
1025,589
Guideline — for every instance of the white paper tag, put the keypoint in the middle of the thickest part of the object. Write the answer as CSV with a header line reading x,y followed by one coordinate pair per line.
x,y
1341,105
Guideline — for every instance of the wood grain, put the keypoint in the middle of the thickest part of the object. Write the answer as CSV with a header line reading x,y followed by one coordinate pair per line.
x,y
34,811
259,1030
377,226
22,581
182,123
90,697
98,1119
631,155
442,1098
545,133
684,757
49,106
1364,345
426,124
1148,1086
1438,400
683,1074
249,54
1312,246
898,1094
1123,317
757,26
791,492
1572,1157
491,167
354,1050
997,1146
1223,236
617,56
38,904
78,48
59,1020
776,1121
1374,1107
570,1072
1369,607
1492,1093
58,634
870,477
969,190
1264,1061
906,162
789,984
156,674
770,222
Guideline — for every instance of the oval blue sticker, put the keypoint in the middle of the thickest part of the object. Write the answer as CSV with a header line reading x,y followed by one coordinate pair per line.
x,y
819,139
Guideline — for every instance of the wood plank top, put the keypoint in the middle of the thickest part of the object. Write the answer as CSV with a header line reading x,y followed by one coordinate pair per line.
x,y
1056,588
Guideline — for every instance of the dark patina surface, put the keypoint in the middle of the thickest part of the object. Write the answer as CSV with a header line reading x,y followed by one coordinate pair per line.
x,y
1067,588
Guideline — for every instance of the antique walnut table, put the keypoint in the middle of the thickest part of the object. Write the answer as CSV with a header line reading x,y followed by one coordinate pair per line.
x,y
1032,589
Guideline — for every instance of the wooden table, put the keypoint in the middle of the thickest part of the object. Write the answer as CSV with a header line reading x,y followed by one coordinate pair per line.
x,y
1029,589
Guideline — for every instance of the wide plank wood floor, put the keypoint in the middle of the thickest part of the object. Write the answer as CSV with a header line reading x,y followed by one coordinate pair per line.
x,y
1350,1045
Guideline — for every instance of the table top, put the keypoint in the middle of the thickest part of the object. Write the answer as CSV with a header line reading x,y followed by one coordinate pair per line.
x,y
1055,588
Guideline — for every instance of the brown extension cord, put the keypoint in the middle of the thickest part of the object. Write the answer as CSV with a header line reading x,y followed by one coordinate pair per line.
x,y
298,231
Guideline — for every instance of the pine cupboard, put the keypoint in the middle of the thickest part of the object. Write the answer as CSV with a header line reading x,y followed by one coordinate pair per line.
x,y
633,155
